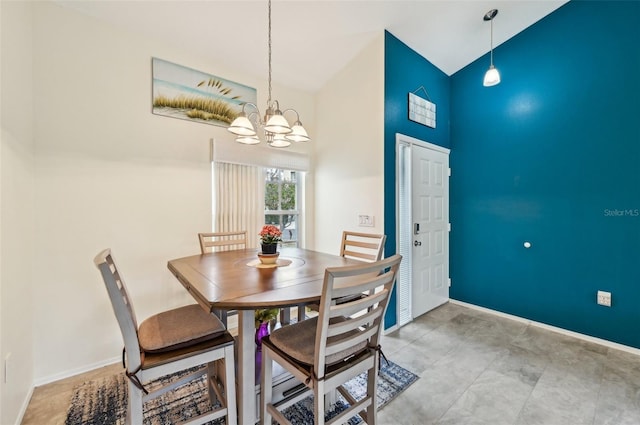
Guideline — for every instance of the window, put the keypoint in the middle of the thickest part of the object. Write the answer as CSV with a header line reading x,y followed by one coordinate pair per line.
x,y
281,203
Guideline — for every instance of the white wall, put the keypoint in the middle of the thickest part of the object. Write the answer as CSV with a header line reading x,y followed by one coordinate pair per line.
x,y
111,174
85,165
16,209
350,122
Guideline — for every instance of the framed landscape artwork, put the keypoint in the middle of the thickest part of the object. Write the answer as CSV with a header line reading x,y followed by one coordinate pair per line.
x,y
185,93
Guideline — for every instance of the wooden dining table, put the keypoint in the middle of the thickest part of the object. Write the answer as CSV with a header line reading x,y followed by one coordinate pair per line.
x,y
237,280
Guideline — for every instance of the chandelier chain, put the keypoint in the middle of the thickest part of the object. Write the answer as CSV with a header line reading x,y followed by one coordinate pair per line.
x,y
278,132
269,99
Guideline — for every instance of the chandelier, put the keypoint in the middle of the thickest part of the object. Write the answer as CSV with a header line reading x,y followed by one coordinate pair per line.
x,y
277,131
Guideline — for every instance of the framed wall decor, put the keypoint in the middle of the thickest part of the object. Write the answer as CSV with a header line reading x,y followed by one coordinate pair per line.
x,y
185,93
421,110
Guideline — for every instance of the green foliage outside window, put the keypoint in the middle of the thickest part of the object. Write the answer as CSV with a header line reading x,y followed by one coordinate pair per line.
x,y
280,195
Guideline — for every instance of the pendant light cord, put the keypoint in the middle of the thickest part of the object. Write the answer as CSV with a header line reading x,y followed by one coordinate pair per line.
x,y
491,41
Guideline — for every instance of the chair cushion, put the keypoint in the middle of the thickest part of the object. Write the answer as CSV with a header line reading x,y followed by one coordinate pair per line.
x,y
178,328
299,340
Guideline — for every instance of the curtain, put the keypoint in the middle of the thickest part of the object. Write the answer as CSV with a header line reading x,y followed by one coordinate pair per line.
x,y
238,199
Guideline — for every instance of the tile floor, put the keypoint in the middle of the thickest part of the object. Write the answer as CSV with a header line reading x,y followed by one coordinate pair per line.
x,y
478,368
474,368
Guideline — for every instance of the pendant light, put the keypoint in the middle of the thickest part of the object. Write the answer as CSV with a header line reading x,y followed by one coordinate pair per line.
x,y
492,76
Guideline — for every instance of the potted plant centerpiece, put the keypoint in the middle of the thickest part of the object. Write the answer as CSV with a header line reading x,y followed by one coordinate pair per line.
x,y
269,237
263,317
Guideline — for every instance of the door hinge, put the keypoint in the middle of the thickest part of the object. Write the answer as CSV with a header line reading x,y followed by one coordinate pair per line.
x,y
449,282
449,172
449,226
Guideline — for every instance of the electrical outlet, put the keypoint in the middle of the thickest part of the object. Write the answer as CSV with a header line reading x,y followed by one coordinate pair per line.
x,y
604,298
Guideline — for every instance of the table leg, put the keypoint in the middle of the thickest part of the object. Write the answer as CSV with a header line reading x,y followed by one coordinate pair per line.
x,y
246,367
285,316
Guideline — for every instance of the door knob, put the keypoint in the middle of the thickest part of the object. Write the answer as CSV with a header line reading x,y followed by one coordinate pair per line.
x,y
417,243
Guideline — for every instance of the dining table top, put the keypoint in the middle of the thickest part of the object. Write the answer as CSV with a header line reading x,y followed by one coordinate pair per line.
x,y
237,280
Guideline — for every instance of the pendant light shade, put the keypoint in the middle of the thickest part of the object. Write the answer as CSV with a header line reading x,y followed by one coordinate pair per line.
x,y
492,76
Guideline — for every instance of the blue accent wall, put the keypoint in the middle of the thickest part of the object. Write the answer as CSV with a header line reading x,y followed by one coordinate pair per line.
x,y
551,155
405,72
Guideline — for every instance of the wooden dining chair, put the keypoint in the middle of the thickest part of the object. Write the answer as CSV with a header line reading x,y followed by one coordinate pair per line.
x,y
340,343
362,246
170,342
366,247
222,241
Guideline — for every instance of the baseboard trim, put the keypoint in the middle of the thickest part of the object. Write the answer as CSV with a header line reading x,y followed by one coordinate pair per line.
x,y
25,404
73,372
578,335
390,329
52,378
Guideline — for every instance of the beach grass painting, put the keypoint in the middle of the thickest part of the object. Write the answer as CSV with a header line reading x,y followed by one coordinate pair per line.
x,y
185,93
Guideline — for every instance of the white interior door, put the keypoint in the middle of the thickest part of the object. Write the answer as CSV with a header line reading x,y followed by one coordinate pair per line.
x,y
423,227
430,215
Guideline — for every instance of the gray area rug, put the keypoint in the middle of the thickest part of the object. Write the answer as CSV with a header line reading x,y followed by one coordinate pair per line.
x,y
104,401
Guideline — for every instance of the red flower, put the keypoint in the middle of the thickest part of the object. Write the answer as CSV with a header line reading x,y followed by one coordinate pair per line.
x,y
270,234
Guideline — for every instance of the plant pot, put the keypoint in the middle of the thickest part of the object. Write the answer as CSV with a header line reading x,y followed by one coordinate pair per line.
x,y
269,248
268,258
261,332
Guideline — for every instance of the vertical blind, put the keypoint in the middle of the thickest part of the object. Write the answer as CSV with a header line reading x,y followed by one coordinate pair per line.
x,y
238,183
238,194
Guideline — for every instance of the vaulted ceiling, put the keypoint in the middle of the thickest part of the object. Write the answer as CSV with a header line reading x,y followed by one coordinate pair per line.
x,y
314,39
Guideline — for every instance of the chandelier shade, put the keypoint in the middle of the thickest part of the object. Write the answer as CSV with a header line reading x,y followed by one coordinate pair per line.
x,y
241,126
248,140
279,141
277,131
277,124
298,133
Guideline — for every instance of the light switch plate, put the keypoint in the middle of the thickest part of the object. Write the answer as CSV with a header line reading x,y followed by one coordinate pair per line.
x,y
365,220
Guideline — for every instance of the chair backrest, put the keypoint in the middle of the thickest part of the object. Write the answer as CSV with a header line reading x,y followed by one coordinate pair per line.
x,y
349,327
220,241
122,307
362,246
